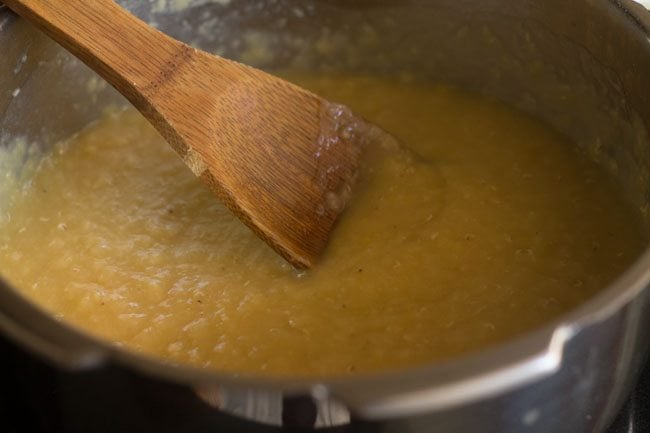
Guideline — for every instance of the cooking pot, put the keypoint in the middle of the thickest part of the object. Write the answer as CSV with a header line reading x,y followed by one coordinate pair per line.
x,y
581,66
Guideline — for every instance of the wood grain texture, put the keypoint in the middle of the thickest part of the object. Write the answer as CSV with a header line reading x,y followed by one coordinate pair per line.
x,y
271,151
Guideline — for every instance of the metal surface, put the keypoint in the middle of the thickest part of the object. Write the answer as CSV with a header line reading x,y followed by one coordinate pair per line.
x,y
582,66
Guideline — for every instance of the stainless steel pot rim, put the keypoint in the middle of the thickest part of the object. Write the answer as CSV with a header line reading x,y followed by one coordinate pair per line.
x,y
471,377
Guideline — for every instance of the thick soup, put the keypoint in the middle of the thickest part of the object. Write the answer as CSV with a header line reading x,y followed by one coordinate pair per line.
x,y
498,226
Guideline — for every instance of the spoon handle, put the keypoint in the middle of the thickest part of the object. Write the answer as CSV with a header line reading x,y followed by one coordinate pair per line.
x,y
89,32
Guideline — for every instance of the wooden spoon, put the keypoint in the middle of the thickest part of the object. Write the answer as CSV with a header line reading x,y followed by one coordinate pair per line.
x,y
283,159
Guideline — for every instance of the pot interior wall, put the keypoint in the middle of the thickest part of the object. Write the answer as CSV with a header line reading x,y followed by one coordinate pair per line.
x,y
577,65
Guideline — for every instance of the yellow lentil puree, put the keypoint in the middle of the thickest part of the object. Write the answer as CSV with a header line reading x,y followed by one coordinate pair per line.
x,y
499,227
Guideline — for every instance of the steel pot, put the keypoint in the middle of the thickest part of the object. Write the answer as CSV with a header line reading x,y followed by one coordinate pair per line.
x,y
580,65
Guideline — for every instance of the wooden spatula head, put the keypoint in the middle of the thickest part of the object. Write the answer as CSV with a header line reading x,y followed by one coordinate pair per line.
x,y
283,159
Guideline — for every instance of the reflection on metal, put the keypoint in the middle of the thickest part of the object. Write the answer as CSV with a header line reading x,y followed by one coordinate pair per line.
x,y
273,408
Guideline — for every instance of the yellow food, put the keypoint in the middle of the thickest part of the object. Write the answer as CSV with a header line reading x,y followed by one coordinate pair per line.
x,y
500,226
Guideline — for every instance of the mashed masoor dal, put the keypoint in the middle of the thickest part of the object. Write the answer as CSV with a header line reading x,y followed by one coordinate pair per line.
x,y
500,226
